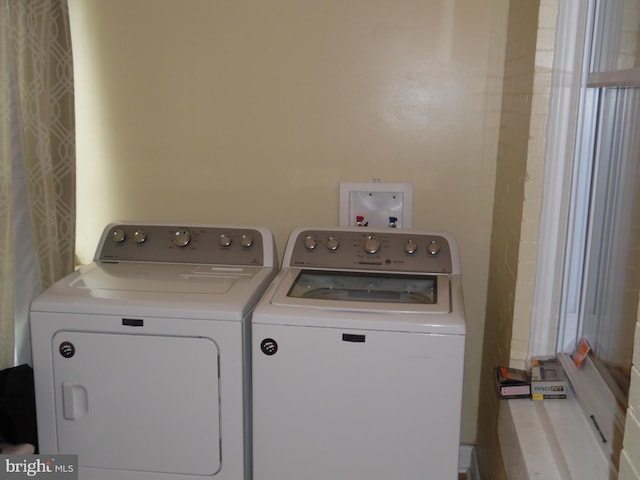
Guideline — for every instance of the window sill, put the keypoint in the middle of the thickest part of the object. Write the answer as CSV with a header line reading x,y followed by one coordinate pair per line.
x,y
550,439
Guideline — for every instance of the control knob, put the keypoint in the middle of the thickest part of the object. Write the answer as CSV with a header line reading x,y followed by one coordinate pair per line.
x,y
247,240
119,235
371,244
333,243
140,236
433,247
225,240
181,238
410,247
310,243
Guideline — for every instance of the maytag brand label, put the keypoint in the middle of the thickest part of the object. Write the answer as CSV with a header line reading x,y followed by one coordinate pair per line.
x,y
50,467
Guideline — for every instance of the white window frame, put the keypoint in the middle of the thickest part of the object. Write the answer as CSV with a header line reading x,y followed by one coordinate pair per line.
x,y
563,130
549,332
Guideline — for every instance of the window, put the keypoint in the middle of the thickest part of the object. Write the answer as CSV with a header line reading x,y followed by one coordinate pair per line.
x,y
608,286
602,276
589,267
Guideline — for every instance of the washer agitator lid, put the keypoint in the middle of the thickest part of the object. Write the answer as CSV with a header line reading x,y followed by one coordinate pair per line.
x,y
364,291
361,278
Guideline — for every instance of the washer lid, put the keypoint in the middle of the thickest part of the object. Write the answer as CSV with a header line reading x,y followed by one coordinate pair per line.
x,y
364,291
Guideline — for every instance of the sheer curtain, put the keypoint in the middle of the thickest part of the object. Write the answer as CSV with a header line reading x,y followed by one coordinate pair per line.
x,y
37,165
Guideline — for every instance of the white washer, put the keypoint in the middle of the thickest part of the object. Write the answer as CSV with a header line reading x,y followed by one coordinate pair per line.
x,y
358,352
141,359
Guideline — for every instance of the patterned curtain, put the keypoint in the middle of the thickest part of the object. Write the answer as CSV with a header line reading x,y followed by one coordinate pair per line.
x,y
37,140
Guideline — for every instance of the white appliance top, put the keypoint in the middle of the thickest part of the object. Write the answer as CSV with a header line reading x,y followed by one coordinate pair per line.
x,y
175,271
361,278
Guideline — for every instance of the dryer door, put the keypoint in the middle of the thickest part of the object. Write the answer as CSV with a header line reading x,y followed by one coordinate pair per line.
x,y
113,392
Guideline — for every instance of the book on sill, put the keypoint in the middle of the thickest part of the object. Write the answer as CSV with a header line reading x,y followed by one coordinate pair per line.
x,y
548,379
513,383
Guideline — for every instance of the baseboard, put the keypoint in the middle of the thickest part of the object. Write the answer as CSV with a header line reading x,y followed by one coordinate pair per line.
x,y
468,462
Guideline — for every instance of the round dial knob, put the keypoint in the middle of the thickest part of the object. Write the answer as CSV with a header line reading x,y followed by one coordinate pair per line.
x,y
225,240
333,243
310,243
247,240
410,247
433,247
181,238
371,244
119,235
140,236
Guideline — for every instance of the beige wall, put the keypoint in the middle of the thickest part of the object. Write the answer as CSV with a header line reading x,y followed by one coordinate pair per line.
x,y
253,112
512,237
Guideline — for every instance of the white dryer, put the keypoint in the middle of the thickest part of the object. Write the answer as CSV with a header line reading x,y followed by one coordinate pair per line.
x,y
141,359
358,352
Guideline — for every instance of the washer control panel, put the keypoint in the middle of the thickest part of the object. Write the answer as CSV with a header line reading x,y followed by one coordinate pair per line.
x,y
362,249
182,244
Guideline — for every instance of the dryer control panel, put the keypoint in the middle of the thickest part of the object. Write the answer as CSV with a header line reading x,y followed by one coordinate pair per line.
x,y
124,242
365,249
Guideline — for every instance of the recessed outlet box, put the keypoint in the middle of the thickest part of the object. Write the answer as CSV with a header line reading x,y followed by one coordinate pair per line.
x,y
376,204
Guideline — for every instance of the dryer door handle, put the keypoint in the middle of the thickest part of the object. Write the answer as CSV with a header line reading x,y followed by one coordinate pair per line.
x,y
75,401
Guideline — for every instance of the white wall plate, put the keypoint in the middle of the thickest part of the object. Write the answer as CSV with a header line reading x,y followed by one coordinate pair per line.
x,y
376,204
